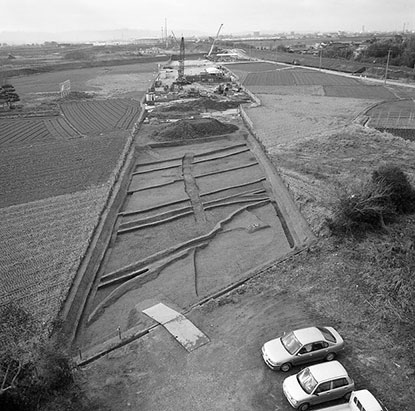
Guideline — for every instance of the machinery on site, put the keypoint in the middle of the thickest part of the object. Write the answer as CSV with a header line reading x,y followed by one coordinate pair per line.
x,y
214,41
176,43
181,78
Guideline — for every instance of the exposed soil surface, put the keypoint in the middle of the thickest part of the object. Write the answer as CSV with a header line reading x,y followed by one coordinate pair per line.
x,y
317,149
197,218
156,373
193,129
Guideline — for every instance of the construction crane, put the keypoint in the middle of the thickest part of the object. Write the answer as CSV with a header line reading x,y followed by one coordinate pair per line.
x,y
180,77
214,41
174,38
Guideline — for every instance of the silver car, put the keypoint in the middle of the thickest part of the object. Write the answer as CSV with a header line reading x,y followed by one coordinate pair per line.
x,y
316,384
302,346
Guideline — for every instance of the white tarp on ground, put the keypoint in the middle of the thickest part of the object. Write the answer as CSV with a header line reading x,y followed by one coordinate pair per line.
x,y
183,330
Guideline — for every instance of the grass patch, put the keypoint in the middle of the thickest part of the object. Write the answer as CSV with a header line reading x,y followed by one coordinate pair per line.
x,y
366,289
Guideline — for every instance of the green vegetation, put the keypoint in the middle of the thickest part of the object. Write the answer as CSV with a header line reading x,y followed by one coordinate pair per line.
x,y
375,202
33,368
8,95
402,50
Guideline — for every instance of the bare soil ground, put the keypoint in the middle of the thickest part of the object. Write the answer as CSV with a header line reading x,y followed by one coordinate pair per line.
x,y
129,81
288,118
317,150
198,217
156,373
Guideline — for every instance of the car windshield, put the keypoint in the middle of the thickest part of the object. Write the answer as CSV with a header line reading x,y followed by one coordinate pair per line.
x,y
327,334
306,380
291,344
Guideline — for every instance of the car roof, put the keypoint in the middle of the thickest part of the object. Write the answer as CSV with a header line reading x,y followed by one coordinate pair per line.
x,y
368,401
308,335
327,370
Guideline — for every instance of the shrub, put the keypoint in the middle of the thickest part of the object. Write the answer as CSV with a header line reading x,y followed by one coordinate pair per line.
x,y
402,194
374,203
363,208
33,368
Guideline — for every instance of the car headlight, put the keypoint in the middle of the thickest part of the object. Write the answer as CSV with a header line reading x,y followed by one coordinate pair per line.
x,y
290,398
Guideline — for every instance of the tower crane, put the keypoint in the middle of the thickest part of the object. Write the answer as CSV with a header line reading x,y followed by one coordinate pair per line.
x,y
214,41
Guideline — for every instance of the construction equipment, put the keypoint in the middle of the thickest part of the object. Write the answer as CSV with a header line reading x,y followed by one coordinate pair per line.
x,y
181,61
181,78
214,41
174,38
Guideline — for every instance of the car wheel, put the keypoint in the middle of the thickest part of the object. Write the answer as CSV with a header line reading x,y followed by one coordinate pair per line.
x,y
330,356
286,367
347,396
303,407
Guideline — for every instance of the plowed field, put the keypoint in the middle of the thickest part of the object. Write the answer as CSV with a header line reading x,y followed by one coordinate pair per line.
x,y
97,116
41,245
393,114
29,173
296,77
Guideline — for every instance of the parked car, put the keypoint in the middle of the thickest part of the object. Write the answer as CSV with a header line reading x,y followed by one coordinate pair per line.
x,y
316,384
302,346
362,400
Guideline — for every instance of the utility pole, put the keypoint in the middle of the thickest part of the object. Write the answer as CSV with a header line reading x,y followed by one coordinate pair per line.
x,y
321,53
387,65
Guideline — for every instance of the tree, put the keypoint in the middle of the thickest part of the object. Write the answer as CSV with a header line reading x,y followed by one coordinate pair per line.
x,y
10,93
33,368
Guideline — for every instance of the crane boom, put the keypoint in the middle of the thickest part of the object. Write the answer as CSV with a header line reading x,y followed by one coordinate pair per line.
x,y
174,37
214,41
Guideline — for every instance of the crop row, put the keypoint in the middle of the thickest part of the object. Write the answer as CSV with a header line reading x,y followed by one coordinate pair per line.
x,y
91,117
359,91
29,173
33,272
296,77
22,131
397,107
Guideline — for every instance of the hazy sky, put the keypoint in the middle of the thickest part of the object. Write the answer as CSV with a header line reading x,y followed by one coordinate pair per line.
x,y
206,16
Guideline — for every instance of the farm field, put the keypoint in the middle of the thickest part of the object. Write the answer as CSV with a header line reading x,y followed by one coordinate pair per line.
x,y
132,82
393,114
27,131
79,118
296,77
54,178
287,118
196,219
294,80
375,92
33,272
34,172
97,116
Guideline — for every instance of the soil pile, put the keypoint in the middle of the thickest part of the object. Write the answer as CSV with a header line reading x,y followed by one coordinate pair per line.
x,y
201,105
190,129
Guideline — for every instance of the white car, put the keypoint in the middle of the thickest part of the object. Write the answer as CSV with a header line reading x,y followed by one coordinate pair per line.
x,y
316,384
302,346
362,400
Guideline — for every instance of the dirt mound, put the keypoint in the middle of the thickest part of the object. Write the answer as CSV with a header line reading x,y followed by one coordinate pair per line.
x,y
190,129
201,105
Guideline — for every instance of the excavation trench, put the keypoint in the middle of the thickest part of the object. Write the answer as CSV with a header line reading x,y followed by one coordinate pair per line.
x,y
192,189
